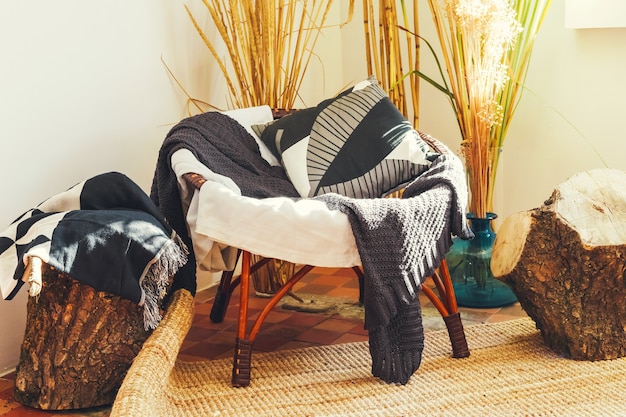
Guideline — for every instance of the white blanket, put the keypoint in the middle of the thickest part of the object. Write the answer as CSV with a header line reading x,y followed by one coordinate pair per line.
x,y
220,219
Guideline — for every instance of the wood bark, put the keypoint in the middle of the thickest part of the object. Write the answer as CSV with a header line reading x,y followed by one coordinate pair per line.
x,y
78,345
565,261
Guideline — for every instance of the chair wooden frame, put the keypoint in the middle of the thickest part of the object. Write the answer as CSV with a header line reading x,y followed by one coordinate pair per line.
x,y
444,301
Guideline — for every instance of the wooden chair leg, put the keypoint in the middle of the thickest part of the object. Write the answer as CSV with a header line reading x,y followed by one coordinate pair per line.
x,y
457,335
359,273
222,298
242,361
225,290
448,308
445,303
243,346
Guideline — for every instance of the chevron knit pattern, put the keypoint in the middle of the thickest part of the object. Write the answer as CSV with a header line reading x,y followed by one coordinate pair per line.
x,y
401,242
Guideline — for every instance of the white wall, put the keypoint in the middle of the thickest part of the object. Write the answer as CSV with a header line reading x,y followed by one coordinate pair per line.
x,y
84,92
573,118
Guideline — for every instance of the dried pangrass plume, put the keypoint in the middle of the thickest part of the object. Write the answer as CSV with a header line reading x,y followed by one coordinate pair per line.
x,y
486,47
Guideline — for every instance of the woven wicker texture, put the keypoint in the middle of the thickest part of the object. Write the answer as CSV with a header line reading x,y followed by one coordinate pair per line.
x,y
509,373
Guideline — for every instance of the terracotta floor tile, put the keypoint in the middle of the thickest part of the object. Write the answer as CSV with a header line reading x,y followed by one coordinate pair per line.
x,y
281,331
425,301
6,388
23,411
197,318
208,350
336,325
333,280
7,402
6,406
299,285
277,316
512,310
205,296
225,355
192,358
316,289
500,317
297,344
204,308
198,334
304,319
257,302
359,329
352,283
350,338
187,344
272,343
205,322
343,292
319,336
474,316
340,272
316,272
223,337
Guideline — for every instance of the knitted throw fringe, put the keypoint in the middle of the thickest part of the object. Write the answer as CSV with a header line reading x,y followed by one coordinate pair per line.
x,y
158,277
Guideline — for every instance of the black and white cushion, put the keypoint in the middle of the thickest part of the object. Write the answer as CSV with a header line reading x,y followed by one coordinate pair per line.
x,y
357,144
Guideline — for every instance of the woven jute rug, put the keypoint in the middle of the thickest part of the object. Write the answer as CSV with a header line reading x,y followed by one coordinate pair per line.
x,y
509,373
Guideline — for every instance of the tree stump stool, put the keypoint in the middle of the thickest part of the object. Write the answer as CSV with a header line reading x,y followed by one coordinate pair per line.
x,y
566,263
78,345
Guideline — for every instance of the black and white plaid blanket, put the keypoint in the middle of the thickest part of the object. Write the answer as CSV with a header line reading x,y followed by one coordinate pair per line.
x,y
104,232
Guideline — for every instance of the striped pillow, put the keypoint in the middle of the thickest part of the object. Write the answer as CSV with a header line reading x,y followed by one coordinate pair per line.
x,y
357,144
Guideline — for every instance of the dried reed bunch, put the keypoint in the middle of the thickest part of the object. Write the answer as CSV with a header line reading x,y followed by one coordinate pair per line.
x,y
269,46
486,45
390,58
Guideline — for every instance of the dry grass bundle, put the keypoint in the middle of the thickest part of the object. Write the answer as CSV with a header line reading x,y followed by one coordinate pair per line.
x,y
392,60
269,43
530,14
486,45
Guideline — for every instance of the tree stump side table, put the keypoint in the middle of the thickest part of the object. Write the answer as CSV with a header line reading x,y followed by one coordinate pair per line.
x,y
78,345
566,263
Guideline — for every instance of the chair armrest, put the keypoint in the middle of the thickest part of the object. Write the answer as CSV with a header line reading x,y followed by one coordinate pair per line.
x,y
434,143
194,180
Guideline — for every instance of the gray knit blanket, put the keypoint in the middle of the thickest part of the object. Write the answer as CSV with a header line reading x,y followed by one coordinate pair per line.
x,y
400,241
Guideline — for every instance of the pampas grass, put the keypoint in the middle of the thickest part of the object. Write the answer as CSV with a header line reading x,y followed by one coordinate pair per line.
x,y
486,46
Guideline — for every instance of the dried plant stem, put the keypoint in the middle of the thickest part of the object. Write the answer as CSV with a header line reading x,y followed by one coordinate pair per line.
x,y
387,55
486,47
531,15
269,43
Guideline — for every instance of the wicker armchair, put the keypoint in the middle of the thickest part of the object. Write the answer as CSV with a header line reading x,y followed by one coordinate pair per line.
x,y
443,299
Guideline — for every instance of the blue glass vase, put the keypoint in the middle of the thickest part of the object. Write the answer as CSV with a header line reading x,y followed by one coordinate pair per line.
x,y
469,262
